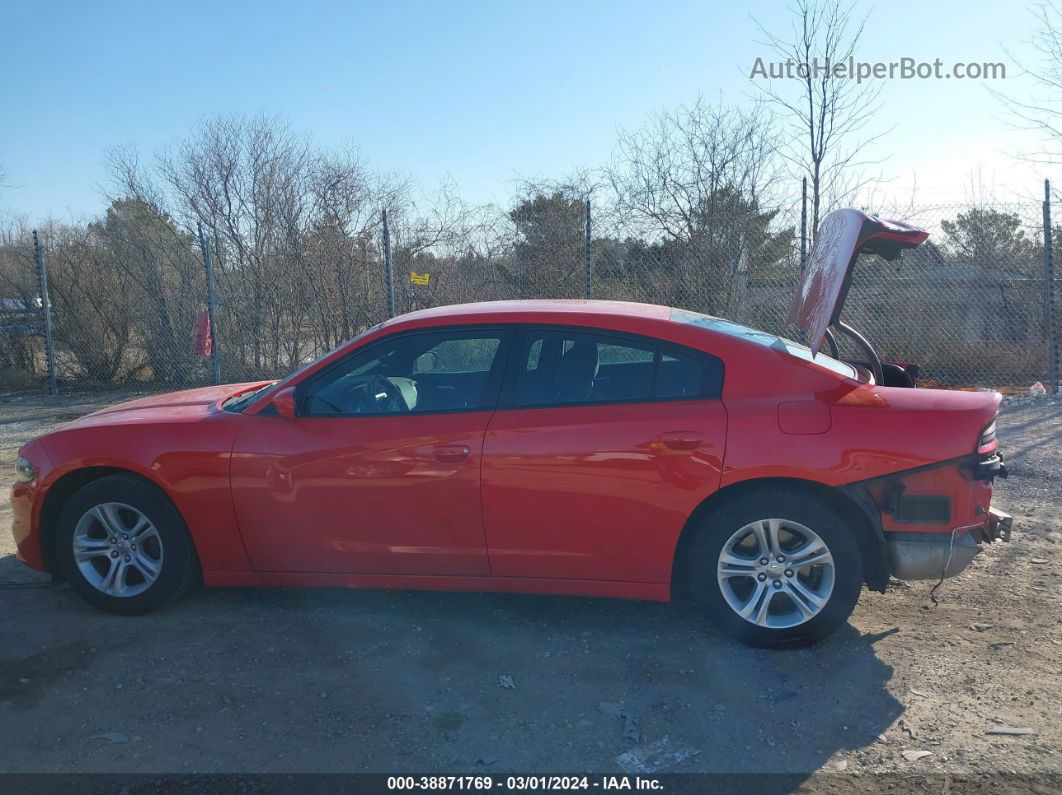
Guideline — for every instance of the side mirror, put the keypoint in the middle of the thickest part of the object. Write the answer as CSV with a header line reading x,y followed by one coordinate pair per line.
x,y
284,402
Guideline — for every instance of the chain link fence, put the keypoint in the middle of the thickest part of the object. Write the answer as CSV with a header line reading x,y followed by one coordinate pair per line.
x,y
128,293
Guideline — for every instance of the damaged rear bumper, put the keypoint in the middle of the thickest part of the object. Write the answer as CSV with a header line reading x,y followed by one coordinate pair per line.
x,y
997,527
930,556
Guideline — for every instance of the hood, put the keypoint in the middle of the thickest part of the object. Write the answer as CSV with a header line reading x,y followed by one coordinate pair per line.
x,y
176,405
842,236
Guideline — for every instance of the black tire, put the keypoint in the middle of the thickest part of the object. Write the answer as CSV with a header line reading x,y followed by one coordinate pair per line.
x,y
179,566
792,505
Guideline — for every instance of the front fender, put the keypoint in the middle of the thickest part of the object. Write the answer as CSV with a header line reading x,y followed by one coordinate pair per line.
x,y
188,461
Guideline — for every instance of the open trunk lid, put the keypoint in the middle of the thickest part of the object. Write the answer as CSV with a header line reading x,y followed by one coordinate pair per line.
x,y
842,236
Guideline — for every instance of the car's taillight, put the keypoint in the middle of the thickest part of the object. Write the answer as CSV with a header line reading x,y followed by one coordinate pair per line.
x,y
987,443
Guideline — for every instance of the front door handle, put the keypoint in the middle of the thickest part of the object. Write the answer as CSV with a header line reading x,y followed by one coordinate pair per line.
x,y
452,453
682,440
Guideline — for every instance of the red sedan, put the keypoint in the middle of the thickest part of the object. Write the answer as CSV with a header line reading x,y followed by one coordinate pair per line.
x,y
571,447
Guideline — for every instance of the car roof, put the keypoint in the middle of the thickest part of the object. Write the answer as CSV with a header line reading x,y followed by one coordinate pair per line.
x,y
530,311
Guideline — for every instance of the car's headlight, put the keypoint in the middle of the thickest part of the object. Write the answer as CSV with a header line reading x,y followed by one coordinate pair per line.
x,y
24,470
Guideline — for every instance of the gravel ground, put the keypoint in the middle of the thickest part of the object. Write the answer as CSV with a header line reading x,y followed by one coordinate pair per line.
x,y
330,680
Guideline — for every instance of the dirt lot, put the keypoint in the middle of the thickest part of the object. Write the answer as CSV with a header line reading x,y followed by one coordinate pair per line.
x,y
330,680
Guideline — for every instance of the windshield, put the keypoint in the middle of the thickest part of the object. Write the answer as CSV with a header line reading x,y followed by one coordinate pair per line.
x,y
243,400
767,339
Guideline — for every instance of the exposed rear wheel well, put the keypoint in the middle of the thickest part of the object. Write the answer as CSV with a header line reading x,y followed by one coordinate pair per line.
x,y
58,495
870,542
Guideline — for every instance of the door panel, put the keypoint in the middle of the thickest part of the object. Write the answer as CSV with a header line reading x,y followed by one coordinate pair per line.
x,y
380,471
394,494
597,491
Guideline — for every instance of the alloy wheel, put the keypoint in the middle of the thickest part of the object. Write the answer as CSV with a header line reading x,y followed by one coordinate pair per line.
x,y
117,549
776,573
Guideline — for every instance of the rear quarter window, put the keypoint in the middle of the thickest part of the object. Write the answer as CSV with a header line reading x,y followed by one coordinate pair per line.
x,y
680,375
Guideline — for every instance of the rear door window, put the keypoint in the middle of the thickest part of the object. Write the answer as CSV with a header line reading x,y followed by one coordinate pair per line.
x,y
559,367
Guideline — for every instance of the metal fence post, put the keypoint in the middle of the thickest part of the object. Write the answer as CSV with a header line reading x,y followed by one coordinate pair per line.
x,y
46,314
803,223
1049,296
208,265
389,274
588,254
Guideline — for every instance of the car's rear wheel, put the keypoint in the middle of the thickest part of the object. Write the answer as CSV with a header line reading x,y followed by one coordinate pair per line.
x,y
776,568
123,547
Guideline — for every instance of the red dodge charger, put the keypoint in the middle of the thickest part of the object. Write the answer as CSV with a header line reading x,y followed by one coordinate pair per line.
x,y
590,448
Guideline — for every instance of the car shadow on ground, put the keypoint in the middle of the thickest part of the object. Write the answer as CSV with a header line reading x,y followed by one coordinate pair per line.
x,y
336,680
14,571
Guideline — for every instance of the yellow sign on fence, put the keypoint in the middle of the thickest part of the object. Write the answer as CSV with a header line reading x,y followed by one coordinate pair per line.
x,y
419,278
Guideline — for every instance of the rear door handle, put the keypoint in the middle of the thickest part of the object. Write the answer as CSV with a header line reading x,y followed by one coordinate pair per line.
x,y
682,440
452,453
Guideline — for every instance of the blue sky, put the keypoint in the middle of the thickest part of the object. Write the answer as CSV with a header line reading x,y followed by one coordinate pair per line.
x,y
476,92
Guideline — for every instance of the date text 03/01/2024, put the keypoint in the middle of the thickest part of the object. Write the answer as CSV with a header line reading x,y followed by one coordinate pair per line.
x,y
521,783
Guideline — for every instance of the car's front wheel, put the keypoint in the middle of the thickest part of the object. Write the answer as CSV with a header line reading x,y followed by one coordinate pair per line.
x,y
776,568
122,545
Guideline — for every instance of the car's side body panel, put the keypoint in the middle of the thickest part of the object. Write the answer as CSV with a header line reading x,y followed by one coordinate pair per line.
x,y
597,492
375,495
861,442
649,591
579,499
792,419
183,449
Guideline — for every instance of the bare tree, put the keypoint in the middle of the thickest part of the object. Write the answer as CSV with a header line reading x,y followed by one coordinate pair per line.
x,y
829,114
476,261
581,184
668,175
90,298
165,278
437,234
20,350
296,232
1042,112
690,189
